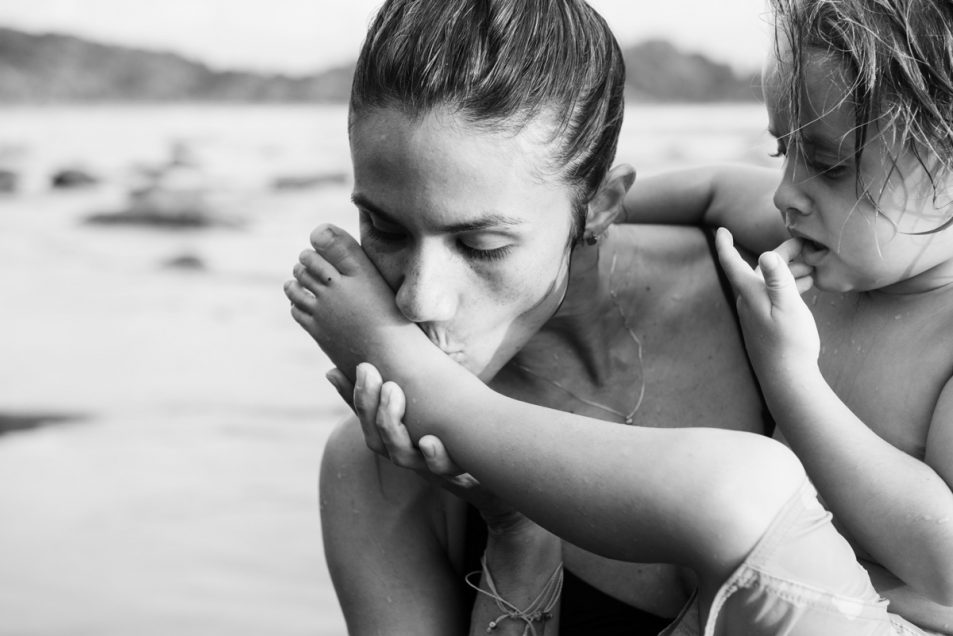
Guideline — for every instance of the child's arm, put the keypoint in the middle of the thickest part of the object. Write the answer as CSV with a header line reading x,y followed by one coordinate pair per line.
x,y
897,507
699,497
737,197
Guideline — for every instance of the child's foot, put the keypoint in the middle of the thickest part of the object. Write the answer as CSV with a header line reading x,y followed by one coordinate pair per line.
x,y
339,297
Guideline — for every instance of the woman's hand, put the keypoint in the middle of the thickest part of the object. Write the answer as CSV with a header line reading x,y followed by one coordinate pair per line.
x,y
380,406
779,329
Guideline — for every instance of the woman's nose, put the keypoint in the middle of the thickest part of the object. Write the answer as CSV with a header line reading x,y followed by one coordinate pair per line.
x,y
428,291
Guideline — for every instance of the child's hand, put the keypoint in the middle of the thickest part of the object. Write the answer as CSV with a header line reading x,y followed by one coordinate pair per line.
x,y
780,332
789,251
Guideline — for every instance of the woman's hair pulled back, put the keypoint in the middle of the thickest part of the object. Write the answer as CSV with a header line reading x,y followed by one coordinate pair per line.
x,y
501,65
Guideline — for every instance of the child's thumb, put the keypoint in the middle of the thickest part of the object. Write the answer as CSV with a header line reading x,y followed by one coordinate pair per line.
x,y
778,279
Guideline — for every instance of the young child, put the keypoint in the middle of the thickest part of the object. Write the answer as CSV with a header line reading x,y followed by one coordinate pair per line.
x,y
865,203
868,414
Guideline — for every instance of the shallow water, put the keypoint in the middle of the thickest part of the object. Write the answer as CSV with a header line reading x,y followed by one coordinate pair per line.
x,y
181,496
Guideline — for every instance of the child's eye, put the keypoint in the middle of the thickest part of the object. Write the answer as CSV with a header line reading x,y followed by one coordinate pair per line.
x,y
832,172
828,170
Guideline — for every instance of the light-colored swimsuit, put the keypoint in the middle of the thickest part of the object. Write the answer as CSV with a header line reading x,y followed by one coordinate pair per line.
x,y
801,579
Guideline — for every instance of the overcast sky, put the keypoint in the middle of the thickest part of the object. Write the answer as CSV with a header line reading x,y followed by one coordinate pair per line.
x,y
306,35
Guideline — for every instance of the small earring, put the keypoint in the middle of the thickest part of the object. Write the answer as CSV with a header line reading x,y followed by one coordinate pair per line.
x,y
592,238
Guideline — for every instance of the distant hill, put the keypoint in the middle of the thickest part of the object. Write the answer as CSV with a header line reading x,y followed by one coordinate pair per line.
x,y
50,68
57,68
657,71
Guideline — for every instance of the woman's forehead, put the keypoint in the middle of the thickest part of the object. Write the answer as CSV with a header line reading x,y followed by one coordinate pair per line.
x,y
438,162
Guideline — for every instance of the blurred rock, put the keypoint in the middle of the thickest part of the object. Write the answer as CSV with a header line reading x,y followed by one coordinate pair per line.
x,y
70,178
173,195
9,181
25,421
189,262
307,181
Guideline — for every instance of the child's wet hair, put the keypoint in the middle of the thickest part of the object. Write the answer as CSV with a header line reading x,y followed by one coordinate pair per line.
x,y
502,65
899,59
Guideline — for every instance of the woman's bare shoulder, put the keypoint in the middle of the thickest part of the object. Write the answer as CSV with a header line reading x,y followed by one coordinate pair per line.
x,y
666,256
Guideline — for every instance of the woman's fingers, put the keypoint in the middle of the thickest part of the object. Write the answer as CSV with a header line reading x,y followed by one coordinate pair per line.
x,y
367,395
390,427
342,385
437,458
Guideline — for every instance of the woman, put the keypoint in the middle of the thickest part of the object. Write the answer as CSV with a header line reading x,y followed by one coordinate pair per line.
x,y
482,133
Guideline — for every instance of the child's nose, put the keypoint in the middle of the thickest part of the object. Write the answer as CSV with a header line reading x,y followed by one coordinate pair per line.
x,y
791,199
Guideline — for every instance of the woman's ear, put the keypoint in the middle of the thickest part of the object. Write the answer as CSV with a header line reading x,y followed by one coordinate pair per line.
x,y
605,207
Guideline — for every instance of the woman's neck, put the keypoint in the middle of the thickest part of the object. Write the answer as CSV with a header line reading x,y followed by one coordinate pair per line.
x,y
589,322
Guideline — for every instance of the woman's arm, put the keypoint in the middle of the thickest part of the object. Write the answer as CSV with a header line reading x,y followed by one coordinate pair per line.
x,y
736,197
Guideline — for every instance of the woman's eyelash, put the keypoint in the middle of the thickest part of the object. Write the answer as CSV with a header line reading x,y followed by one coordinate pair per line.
x,y
494,254
485,255
383,235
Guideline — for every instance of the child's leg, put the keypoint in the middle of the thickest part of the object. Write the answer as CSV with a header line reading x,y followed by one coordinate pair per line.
x,y
698,497
731,505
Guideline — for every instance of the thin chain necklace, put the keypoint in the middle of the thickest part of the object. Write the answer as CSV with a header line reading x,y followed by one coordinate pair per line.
x,y
626,417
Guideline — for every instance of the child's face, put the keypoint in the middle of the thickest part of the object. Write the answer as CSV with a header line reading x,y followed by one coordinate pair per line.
x,y
473,240
857,219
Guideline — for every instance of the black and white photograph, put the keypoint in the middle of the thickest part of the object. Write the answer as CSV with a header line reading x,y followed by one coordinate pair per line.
x,y
461,317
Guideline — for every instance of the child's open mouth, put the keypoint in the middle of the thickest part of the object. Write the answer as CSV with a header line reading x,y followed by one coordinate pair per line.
x,y
812,251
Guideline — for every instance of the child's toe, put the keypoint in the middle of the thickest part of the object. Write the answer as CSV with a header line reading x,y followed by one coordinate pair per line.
x,y
339,248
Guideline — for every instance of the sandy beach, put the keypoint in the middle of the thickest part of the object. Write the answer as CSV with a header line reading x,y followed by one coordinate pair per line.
x,y
174,488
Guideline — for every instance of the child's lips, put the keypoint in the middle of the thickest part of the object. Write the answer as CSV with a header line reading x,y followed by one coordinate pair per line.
x,y
812,252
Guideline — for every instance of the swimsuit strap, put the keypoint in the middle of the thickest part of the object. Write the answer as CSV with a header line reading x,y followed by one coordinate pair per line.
x,y
729,294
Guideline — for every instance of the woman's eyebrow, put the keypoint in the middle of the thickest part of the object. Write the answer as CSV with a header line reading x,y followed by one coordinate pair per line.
x,y
490,219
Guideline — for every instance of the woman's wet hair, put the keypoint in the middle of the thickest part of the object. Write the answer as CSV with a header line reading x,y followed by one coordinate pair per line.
x,y
898,55
501,65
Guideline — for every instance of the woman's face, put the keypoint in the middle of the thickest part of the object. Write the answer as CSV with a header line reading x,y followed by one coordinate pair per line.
x,y
464,227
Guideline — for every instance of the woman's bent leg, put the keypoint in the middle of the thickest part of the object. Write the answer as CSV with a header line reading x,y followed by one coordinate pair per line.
x,y
387,543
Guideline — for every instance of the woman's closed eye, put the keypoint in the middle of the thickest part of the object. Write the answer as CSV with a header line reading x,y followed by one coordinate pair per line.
x,y
481,252
382,230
